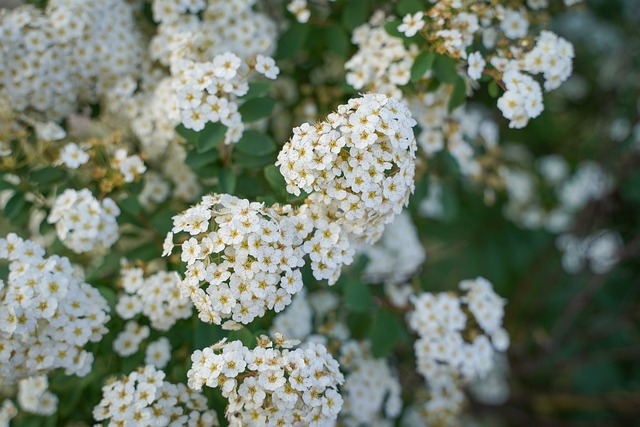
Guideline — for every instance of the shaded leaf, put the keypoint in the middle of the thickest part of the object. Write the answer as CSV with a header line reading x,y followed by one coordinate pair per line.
x,y
421,65
256,108
255,143
211,136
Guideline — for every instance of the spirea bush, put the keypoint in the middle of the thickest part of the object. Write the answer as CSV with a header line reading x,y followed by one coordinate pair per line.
x,y
319,213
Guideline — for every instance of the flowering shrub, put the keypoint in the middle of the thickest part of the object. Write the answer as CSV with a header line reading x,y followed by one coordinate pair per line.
x,y
256,212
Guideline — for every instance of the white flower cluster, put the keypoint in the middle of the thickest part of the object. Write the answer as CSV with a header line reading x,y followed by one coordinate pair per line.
x,y
144,398
157,297
382,63
158,353
572,192
218,26
209,91
599,250
250,260
84,223
397,255
442,352
271,384
359,164
34,397
128,341
74,52
47,314
372,392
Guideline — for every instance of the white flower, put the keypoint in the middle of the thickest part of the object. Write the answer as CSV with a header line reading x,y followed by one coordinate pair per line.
x,y
476,65
73,156
267,66
411,24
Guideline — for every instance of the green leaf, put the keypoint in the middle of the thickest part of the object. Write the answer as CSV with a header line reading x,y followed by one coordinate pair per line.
x,y
493,89
48,175
292,40
162,221
131,205
190,135
357,295
14,206
275,179
198,160
211,136
145,252
404,7
227,181
444,69
244,335
252,162
458,95
384,333
337,40
257,89
205,334
422,64
355,13
256,108
255,143
391,28
450,203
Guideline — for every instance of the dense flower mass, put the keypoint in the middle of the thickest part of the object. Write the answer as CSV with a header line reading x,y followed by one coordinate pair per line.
x,y
358,164
144,398
271,384
82,222
48,314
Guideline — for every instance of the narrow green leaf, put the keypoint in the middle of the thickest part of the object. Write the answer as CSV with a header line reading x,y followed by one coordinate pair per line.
x,y
337,40
458,95
211,136
445,69
355,13
422,64
384,333
493,89
252,162
14,206
292,40
256,108
255,143
357,295
227,181
275,179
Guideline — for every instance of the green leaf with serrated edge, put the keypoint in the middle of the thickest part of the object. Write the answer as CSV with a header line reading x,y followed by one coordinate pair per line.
x,y
355,13
227,179
256,109
357,295
444,69
47,175
255,143
292,40
197,160
458,95
211,136
14,206
384,333
421,65
275,179
337,40
391,28
190,135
